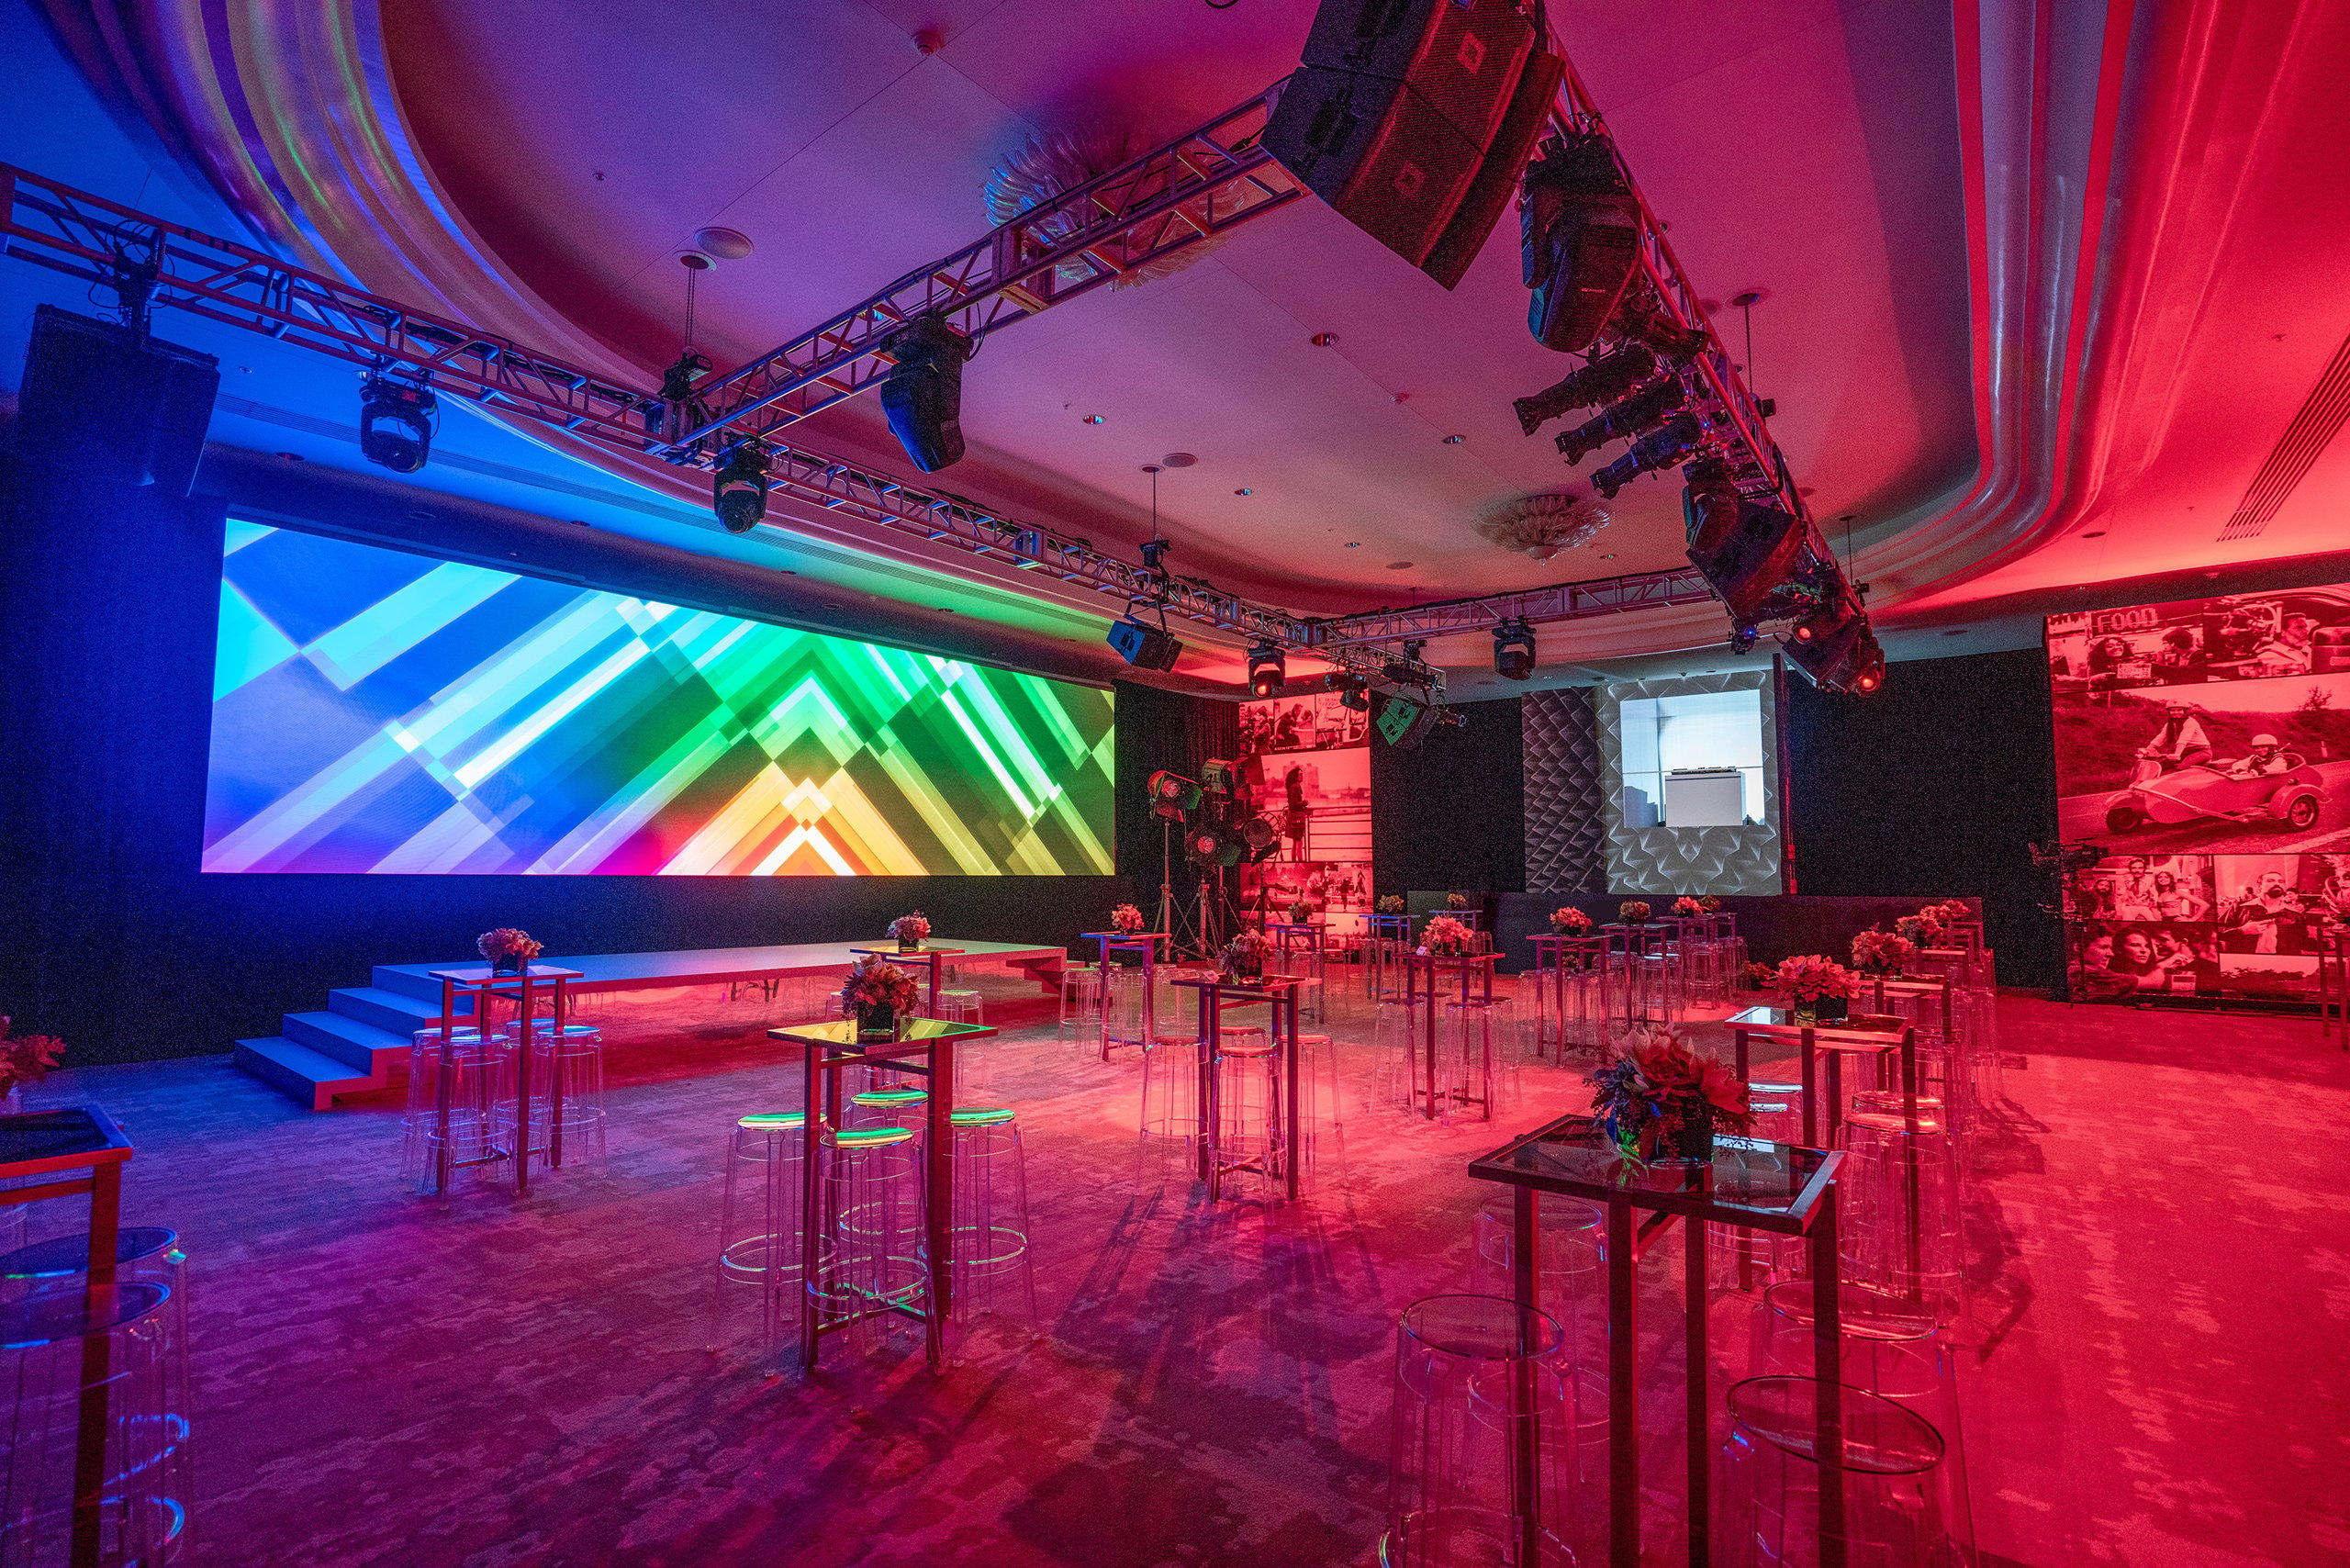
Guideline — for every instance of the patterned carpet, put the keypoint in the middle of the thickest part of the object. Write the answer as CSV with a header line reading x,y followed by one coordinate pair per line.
x,y
2161,1377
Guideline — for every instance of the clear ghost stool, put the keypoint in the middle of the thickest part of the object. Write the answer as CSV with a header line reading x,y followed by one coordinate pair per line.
x,y
460,1099
989,1232
758,1225
1472,1372
872,1268
1771,1496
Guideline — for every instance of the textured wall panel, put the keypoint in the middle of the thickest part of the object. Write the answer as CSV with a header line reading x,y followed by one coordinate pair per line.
x,y
1563,827
1724,861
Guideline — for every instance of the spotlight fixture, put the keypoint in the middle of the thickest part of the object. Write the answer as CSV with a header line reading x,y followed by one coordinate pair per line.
x,y
1357,696
1152,551
396,420
1622,420
1267,670
1643,319
1259,838
1660,448
1144,646
1210,844
1172,795
739,492
1743,639
1607,378
923,393
1513,650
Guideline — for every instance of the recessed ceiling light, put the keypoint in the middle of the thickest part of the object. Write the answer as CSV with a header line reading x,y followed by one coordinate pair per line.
x,y
1955,632
1354,544
1093,420
2094,533
1398,565
1244,490
1322,339
1454,440
1608,556
1180,459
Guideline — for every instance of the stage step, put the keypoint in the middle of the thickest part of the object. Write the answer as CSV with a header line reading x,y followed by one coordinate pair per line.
x,y
311,1077
358,1046
402,1013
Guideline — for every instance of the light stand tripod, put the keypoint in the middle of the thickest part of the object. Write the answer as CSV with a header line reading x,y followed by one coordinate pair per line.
x,y
1195,928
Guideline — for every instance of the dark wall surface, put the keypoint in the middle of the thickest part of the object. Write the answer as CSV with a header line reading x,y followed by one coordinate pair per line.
x,y
1934,788
1452,814
110,936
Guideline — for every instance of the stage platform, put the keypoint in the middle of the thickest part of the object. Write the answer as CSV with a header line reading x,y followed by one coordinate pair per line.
x,y
360,1041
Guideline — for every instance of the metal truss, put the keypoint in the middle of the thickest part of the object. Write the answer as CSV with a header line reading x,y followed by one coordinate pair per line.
x,y
1560,601
1198,186
151,263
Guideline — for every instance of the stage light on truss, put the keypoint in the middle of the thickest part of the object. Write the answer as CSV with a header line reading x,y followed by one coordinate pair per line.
x,y
396,421
1513,650
1660,448
738,494
1172,795
1267,670
923,393
1743,638
1623,419
1407,670
1579,237
1607,378
1355,696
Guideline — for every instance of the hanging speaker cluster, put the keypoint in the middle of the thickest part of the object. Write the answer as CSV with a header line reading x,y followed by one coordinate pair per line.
x,y
1413,118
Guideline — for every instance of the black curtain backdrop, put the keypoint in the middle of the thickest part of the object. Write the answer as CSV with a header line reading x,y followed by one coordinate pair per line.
x,y
1451,817
1934,787
110,937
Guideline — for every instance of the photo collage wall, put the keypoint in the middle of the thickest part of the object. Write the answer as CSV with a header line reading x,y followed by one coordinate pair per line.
x,y
1305,765
2205,745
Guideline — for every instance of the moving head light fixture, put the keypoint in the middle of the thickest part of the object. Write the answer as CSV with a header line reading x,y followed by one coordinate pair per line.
x,y
1605,378
1623,419
1579,238
1513,650
1267,670
738,492
396,421
1664,447
923,393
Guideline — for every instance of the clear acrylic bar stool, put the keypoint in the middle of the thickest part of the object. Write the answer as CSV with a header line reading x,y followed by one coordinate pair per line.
x,y
459,1098
758,1225
992,1257
1477,1060
62,1352
1901,1216
1079,1022
1890,1490
567,1114
1246,1146
1474,1374
1398,1042
871,1260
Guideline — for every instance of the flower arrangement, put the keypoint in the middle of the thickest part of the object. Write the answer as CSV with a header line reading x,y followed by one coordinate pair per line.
x,y
1759,977
1710,904
1125,919
1878,952
1918,930
1570,922
1658,1100
1392,904
874,983
1244,957
1299,912
1686,908
1445,934
1455,900
26,1059
508,950
910,931
1812,976
1632,912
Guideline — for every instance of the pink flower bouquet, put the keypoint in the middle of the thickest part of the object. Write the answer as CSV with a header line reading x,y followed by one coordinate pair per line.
x,y
1632,912
1445,934
27,1058
1686,908
876,986
509,951
1245,956
1880,952
1658,1100
910,931
1570,922
1126,920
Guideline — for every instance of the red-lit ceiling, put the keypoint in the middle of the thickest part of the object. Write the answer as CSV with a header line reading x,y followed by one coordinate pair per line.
x,y
1977,356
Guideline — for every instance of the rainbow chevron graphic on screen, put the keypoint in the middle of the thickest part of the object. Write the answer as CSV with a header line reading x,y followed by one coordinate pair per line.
x,y
375,710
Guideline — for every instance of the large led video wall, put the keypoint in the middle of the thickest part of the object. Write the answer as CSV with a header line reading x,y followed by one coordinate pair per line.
x,y
375,710
2205,745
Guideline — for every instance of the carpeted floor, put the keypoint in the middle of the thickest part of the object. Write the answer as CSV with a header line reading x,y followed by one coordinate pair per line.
x,y
2161,1376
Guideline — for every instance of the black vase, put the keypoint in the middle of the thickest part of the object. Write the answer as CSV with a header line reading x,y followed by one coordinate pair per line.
x,y
1693,1140
876,1021
909,944
510,965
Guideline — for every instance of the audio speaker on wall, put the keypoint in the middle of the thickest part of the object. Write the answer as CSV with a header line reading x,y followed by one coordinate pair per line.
x,y
113,404
1391,115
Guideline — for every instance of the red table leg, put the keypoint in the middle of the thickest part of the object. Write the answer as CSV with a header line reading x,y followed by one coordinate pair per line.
x,y
812,1126
938,1161
1526,1273
1827,1365
1293,1156
93,1417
